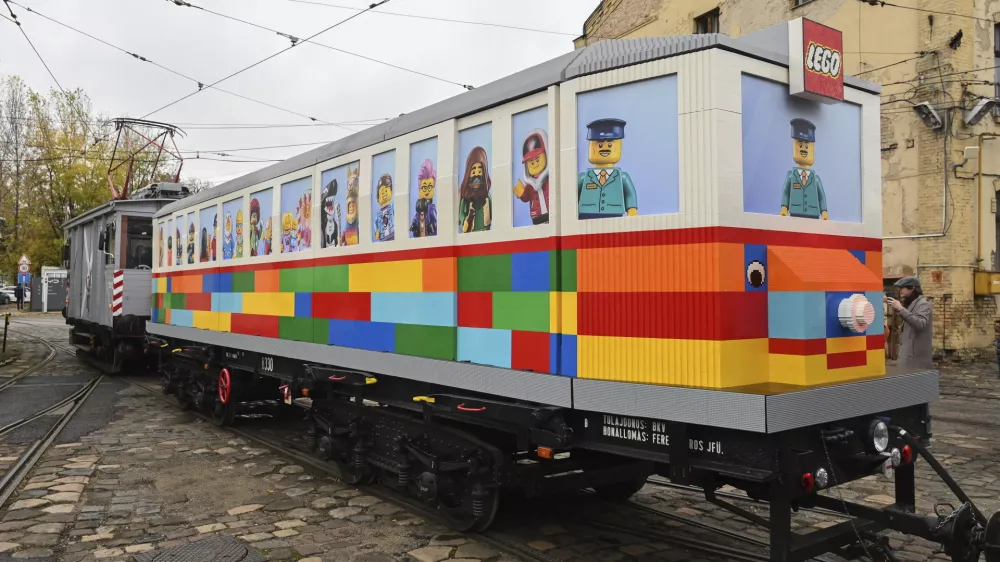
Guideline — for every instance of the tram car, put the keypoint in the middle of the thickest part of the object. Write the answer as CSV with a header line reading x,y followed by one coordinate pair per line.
x,y
108,252
647,256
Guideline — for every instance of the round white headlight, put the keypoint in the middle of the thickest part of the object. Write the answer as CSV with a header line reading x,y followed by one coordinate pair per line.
x,y
896,457
880,435
887,468
822,478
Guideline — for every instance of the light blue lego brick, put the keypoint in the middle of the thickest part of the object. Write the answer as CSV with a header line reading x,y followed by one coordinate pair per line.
x,y
228,302
183,318
428,309
877,298
485,346
796,315
216,300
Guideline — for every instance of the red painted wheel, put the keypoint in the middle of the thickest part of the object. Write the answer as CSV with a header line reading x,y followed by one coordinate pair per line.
x,y
225,386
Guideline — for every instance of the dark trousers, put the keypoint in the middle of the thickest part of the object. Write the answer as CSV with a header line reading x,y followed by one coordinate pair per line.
x,y
20,303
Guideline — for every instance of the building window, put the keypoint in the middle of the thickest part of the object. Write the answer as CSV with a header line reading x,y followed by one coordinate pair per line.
x,y
707,22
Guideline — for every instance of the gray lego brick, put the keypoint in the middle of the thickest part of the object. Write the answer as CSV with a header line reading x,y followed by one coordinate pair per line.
x,y
217,549
602,56
688,405
521,385
820,405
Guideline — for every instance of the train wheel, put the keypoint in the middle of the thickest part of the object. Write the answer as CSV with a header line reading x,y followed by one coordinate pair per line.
x,y
620,491
224,411
167,384
343,451
471,509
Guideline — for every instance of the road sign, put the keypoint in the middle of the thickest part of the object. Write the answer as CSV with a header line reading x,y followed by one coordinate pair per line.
x,y
24,278
24,260
23,268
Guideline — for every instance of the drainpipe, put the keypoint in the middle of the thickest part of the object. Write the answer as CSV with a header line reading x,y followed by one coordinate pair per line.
x,y
944,192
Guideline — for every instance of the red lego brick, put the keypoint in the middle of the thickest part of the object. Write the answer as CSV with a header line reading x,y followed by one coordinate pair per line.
x,y
848,359
475,310
875,342
797,347
342,306
530,351
691,316
198,301
254,325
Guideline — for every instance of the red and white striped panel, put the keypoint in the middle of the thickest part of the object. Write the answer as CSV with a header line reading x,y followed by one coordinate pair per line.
x,y
118,292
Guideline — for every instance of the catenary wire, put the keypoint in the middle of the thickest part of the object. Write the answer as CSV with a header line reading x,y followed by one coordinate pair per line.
x,y
921,55
891,5
295,39
285,50
467,22
177,73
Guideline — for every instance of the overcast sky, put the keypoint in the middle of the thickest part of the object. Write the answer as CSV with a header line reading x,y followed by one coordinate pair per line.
x,y
308,79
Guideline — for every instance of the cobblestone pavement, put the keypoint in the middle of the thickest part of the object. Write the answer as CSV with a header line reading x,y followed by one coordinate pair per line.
x,y
152,477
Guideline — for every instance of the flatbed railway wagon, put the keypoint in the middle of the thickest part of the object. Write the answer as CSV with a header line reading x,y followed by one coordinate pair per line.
x,y
646,256
108,252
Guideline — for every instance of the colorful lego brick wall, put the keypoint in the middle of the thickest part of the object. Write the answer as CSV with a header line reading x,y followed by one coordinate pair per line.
x,y
698,307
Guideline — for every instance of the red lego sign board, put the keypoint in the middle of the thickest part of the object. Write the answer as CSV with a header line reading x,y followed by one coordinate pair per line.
x,y
815,61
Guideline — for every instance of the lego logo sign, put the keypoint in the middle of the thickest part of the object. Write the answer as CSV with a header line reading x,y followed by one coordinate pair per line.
x,y
815,61
823,60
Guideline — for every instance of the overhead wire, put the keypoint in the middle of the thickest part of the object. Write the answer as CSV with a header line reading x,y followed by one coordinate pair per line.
x,y
891,5
200,84
285,50
899,62
295,39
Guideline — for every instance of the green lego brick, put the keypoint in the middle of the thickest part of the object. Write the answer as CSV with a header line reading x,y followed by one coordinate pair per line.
x,y
484,274
243,282
321,331
296,280
521,311
176,301
298,329
567,271
434,342
331,279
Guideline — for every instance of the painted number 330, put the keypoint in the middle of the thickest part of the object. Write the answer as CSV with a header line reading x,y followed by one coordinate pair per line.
x,y
267,364
823,60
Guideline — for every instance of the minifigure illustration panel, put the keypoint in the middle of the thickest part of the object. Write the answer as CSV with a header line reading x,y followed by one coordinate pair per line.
x,y
209,232
339,194
627,150
383,207
161,243
531,167
296,215
423,188
232,229
191,239
261,231
800,158
475,200
171,257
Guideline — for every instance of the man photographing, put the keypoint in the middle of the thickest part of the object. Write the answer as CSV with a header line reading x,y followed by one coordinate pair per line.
x,y
918,317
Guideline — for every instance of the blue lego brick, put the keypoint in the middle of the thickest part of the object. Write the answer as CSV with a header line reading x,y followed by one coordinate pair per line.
x,y
303,305
485,346
834,329
427,309
170,284
209,282
860,254
562,355
752,253
530,272
796,315
183,318
372,336
877,299
224,283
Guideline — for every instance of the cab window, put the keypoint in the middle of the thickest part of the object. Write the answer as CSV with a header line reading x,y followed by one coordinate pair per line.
x,y
138,243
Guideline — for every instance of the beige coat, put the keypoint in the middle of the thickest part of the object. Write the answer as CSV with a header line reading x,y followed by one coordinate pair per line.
x,y
915,342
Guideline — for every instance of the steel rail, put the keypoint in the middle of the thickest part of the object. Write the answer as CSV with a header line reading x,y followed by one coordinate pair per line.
x,y
30,458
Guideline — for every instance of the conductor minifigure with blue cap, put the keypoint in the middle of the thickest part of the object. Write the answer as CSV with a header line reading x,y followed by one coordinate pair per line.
x,y
605,191
802,194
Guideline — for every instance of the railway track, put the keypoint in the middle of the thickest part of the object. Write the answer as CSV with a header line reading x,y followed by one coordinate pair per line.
x,y
505,542
31,369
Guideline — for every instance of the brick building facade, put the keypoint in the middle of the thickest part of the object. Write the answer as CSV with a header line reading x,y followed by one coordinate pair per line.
x,y
939,219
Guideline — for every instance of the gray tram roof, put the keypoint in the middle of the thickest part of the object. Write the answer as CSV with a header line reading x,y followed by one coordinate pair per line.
x,y
769,45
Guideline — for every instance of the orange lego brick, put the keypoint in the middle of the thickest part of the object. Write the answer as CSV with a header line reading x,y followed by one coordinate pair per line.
x,y
708,267
873,261
267,281
440,275
818,269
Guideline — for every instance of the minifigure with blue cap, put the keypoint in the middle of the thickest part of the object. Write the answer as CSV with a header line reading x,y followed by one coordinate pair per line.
x,y
605,191
802,194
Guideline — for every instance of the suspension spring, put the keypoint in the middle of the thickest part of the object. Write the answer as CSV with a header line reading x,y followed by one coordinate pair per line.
x,y
478,501
359,459
403,480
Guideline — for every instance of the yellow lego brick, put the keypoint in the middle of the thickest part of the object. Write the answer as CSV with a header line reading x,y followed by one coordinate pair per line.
x,y
225,321
562,313
269,304
205,320
700,363
387,277
843,345
794,369
161,284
